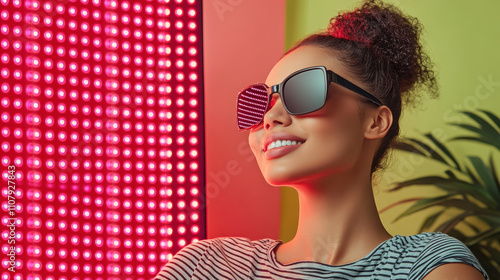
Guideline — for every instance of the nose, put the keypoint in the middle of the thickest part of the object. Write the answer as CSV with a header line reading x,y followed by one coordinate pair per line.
x,y
276,114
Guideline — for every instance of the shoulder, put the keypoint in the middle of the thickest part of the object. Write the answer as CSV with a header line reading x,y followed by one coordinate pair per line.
x,y
228,244
424,240
241,242
432,250
212,256
429,244
183,264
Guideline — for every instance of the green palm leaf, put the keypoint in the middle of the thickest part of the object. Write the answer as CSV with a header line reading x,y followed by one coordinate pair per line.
x,y
485,235
452,186
486,177
475,139
472,226
457,234
429,221
424,203
430,152
420,148
403,146
486,133
492,218
448,202
472,176
451,223
443,149
492,169
493,118
399,203
486,127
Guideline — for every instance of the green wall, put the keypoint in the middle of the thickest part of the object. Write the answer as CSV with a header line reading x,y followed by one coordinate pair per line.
x,y
462,38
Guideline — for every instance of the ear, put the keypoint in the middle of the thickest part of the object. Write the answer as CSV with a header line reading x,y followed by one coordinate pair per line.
x,y
378,123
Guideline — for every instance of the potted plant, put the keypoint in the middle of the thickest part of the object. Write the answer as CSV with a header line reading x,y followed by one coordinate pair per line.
x,y
469,208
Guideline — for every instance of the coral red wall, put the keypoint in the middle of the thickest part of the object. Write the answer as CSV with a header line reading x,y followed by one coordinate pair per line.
x,y
242,41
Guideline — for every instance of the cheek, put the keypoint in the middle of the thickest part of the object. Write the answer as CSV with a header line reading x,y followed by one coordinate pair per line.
x,y
341,119
336,138
346,132
254,140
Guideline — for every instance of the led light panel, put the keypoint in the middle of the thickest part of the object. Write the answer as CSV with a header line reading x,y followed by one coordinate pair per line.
x,y
101,123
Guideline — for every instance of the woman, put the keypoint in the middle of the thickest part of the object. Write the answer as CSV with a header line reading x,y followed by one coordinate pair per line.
x,y
323,127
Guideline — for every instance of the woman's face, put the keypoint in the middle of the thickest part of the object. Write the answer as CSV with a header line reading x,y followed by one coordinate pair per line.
x,y
332,138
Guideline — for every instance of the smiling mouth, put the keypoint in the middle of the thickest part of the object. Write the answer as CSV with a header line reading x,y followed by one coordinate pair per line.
x,y
282,143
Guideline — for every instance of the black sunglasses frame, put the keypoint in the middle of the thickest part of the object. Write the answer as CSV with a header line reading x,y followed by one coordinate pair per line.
x,y
330,77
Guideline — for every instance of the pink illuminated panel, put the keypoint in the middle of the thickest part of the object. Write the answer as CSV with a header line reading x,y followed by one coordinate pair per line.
x,y
101,116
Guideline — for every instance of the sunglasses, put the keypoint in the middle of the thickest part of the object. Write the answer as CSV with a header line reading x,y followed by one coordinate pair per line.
x,y
302,92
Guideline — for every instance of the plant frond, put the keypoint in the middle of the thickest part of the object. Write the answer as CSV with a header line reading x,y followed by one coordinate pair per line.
x,y
475,139
486,176
486,128
493,169
431,153
493,118
486,133
491,217
424,203
483,236
427,180
445,150
472,176
429,221
457,234
473,227
468,127
445,227
452,185
403,146
399,203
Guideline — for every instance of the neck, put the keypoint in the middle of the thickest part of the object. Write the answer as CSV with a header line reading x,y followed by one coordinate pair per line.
x,y
338,222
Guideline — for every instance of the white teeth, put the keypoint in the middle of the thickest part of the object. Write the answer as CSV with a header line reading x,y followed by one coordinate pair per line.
x,y
281,143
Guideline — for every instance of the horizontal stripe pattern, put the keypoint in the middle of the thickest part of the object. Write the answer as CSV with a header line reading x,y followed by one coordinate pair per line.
x,y
399,258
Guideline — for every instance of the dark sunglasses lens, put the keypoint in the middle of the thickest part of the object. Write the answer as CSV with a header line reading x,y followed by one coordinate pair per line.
x,y
305,92
252,104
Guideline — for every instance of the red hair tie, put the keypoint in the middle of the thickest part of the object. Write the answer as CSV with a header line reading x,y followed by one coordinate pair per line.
x,y
350,27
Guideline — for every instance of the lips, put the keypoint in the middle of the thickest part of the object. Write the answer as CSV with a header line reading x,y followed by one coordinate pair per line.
x,y
281,139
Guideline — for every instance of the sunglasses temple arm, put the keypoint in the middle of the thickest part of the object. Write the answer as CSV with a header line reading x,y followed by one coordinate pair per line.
x,y
345,83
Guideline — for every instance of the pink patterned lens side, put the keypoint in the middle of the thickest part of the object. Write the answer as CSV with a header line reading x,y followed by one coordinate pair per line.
x,y
252,103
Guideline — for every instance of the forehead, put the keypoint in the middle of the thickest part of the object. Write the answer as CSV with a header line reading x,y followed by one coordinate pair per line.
x,y
303,57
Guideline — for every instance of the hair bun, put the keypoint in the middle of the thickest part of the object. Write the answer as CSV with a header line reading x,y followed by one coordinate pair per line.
x,y
380,47
392,35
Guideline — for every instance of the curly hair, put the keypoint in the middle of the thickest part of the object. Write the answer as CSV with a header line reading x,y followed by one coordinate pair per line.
x,y
381,46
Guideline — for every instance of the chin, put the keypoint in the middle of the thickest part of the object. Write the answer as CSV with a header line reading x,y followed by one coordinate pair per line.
x,y
282,176
292,176
276,177
277,183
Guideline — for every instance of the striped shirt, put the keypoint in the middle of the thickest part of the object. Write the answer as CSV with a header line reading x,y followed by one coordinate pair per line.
x,y
401,257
